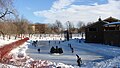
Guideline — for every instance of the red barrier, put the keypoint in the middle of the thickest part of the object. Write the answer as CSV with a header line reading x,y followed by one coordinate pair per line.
x,y
8,47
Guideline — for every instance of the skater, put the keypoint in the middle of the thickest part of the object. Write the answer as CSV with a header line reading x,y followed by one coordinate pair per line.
x,y
34,43
70,45
79,41
59,42
57,49
79,61
72,49
49,42
39,50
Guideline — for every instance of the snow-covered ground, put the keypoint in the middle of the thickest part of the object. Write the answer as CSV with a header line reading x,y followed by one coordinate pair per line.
x,y
6,40
93,55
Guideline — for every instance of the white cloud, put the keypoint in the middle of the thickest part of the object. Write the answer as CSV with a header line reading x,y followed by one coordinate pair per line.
x,y
60,4
65,10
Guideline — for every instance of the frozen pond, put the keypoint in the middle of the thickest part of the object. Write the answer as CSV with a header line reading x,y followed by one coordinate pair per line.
x,y
88,52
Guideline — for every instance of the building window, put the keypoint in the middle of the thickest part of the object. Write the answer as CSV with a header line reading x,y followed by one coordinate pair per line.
x,y
92,29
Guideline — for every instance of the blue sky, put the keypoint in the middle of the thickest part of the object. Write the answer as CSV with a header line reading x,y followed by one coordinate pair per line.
x,y
47,11
89,2
26,8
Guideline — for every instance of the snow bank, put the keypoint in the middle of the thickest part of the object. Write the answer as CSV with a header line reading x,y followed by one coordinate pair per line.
x,y
111,63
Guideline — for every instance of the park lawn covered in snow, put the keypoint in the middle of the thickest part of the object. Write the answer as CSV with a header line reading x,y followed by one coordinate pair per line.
x,y
93,55
90,53
7,41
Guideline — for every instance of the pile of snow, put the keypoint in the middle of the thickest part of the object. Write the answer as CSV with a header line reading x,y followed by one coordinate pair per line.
x,y
7,66
111,63
49,64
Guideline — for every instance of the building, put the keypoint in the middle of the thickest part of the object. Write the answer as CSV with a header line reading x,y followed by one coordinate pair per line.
x,y
111,19
94,33
104,31
39,28
112,33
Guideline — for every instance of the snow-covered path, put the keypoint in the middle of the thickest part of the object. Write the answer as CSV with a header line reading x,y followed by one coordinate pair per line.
x,y
88,52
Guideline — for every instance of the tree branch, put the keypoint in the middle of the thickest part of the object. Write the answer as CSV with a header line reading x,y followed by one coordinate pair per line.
x,y
5,13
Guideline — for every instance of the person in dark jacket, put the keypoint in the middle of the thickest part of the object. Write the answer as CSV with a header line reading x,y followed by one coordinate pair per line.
x,y
79,60
72,50
39,50
49,42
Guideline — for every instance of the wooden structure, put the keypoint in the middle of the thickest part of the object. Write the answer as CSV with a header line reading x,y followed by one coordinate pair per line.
x,y
94,33
111,19
112,33
104,31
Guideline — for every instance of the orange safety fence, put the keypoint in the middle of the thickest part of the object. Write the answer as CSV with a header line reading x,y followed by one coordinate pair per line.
x,y
4,50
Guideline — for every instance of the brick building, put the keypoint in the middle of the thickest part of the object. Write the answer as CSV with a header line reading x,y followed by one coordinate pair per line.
x,y
39,28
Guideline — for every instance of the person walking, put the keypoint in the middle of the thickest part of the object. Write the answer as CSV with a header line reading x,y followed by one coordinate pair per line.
x,y
49,42
79,61
38,50
59,42
72,50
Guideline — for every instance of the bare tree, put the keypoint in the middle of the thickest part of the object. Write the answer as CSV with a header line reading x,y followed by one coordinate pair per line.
x,y
6,8
52,28
30,30
70,26
80,26
48,29
1,30
22,26
12,27
58,25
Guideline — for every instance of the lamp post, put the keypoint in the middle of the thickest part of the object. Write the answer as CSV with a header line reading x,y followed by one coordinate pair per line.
x,y
66,35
